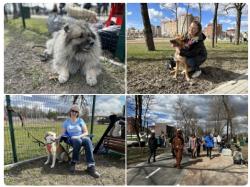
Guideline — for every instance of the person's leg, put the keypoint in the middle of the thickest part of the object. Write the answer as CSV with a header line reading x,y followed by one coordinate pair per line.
x,y
192,64
150,155
76,144
154,152
86,142
210,152
207,151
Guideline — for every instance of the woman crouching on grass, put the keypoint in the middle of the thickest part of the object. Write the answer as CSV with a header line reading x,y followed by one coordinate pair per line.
x,y
195,50
76,133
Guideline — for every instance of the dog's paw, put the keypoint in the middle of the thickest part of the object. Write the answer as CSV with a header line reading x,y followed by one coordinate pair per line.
x,y
45,163
52,166
175,76
62,79
92,81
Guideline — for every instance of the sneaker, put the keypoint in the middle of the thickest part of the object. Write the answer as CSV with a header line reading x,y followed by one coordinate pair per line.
x,y
72,168
91,170
196,74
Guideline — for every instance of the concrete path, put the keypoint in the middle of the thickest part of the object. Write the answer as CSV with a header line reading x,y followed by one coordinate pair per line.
x,y
238,86
160,172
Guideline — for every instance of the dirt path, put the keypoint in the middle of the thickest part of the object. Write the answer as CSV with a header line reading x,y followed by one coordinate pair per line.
x,y
36,173
153,77
218,171
25,73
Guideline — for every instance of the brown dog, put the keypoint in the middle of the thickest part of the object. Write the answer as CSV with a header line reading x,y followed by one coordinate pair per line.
x,y
179,43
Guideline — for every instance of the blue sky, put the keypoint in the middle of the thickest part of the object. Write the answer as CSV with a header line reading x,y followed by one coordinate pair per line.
x,y
157,13
105,104
162,108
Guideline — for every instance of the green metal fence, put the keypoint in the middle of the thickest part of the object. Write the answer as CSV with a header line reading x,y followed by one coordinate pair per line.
x,y
40,113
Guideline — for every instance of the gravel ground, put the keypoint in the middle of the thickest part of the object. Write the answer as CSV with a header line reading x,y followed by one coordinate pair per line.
x,y
24,72
147,76
112,170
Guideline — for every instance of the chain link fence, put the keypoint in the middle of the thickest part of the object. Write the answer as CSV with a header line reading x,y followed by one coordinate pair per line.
x,y
40,113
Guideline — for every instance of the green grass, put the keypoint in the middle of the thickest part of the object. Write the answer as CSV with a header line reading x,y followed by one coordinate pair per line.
x,y
26,148
137,51
34,24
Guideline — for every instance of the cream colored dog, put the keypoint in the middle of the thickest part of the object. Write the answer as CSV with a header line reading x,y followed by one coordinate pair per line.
x,y
54,149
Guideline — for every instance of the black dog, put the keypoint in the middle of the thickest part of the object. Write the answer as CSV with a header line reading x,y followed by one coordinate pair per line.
x,y
170,64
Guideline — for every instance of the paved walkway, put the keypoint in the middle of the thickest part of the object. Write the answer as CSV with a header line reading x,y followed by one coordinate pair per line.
x,y
200,171
238,86
160,172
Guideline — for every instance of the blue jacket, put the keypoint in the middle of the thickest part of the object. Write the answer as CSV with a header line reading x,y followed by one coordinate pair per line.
x,y
209,141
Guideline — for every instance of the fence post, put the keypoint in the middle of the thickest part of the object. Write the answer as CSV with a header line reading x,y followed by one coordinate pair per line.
x,y
93,115
11,128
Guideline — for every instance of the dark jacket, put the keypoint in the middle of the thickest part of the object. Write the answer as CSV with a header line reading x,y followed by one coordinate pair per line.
x,y
152,143
195,49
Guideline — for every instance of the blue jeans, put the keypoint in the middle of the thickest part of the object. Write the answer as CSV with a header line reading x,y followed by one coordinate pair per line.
x,y
87,144
195,62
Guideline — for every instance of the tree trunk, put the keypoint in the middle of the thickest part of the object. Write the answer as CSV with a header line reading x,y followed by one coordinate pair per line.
x,y
214,23
238,22
200,7
147,27
136,121
5,14
15,13
140,111
176,17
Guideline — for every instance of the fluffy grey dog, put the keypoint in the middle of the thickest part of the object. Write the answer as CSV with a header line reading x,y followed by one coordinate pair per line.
x,y
75,47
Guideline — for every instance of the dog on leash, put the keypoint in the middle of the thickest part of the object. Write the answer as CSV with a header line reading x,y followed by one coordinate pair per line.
x,y
179,43
54,150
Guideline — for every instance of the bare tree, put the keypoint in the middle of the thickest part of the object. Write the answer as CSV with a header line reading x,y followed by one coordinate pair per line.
x,y
216,5
229,112
186,18
238,7
147,27
173,7
187,116
217,114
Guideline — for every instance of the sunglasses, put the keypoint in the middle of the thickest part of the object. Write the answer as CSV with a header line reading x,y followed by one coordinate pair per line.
x,y
73,111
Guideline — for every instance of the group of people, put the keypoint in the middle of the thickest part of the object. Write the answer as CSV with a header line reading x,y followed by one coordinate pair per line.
x,y
208,142
195,143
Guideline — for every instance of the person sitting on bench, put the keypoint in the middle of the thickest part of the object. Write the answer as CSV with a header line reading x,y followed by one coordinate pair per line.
x,y
75,133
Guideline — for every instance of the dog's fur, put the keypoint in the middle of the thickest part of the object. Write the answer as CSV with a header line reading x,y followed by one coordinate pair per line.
x,y
179,43
54,149
75,47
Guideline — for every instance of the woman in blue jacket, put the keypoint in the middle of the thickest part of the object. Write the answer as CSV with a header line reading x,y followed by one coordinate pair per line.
x,y
209,141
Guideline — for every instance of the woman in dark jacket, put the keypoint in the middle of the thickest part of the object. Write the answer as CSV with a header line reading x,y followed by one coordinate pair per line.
x,y
195,50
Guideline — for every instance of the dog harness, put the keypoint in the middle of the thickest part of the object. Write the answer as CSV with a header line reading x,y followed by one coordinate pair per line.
x,y
49,146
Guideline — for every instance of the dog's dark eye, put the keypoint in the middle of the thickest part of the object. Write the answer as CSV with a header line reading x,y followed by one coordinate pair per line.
x,y
81,36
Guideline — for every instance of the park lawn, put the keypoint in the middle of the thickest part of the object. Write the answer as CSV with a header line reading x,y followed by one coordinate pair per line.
x,y
38,25
138,51
26,148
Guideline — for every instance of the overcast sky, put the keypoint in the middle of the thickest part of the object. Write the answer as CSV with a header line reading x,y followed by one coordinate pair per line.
x,y
162,109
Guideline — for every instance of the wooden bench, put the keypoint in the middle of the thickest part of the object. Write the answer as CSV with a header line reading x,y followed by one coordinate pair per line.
x,y
114,143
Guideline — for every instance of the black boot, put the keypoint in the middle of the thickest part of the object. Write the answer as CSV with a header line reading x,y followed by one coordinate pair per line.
x,y
91,170
72,167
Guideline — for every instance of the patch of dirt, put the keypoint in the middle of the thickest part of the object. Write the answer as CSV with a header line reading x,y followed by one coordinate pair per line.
x,y
24,72
112,170
153,77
